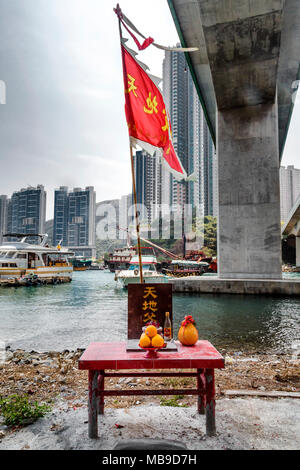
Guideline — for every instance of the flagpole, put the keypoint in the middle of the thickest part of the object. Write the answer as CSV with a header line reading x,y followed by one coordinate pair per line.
x,y
134,190
136,216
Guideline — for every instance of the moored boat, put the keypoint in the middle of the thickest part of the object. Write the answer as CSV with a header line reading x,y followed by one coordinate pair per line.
x,y
120,258
132,274
80,263
186,268
24,260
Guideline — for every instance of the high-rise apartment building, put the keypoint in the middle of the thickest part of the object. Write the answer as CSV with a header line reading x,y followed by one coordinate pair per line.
x,y
60,223
176,95
3,216
125,215
26,211
74,220
289,189
157,189
148,184
191,139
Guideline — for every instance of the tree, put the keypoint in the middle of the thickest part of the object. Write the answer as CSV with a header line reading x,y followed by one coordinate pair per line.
x,y
207,228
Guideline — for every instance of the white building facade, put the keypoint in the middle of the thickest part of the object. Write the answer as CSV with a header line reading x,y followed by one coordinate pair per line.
x,y
289,189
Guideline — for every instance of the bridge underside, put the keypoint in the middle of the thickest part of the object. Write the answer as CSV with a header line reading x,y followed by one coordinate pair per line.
x,y
247,61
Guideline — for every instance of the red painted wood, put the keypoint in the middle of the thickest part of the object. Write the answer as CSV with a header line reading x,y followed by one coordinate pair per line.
x,y
114,356
119,393
100,391
201,387
150,374
210,402
100,356
92,404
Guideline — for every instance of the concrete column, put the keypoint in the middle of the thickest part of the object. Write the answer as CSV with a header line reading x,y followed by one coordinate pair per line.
x,y
249,237
298,251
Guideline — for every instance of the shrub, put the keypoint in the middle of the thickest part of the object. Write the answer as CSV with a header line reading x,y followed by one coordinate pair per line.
x,y
18,410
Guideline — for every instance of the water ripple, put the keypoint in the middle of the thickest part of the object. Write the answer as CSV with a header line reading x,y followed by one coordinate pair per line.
x,y
91,308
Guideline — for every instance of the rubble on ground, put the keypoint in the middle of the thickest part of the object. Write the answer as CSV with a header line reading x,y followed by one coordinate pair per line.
x,y
54,376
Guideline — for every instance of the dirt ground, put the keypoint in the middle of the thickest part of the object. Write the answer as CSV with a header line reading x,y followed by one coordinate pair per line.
x,y
52,375
242,424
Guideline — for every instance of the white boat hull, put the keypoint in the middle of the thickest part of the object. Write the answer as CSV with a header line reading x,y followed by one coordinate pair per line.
x,y
150,274
41,272
155,279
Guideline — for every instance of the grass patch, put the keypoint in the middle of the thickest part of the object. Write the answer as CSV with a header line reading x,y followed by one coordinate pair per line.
x,y
179,381
18,410
173,401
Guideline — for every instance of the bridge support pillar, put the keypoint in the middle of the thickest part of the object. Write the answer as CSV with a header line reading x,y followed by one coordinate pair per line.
x,y
298,251
249,236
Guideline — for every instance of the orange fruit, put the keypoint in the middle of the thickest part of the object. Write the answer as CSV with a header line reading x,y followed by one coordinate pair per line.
x,y
151,331
158,341
145,341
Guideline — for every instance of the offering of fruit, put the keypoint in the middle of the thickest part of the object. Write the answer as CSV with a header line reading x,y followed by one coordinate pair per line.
x,y
157,341
151,340
145,341
188,334
151,331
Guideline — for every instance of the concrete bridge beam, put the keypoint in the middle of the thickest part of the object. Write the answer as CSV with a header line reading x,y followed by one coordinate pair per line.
x,y
244,69
249,195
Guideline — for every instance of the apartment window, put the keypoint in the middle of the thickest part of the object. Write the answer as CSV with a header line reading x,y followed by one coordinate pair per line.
x,y
77,220
28,221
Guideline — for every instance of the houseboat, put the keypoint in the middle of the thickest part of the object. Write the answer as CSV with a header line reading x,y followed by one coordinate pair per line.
x,y
120,258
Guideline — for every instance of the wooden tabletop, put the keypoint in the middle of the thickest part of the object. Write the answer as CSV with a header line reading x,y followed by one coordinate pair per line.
x,y
99,356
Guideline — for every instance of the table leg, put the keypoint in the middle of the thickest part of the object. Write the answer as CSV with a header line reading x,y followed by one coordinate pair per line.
x,y
201,387
210,402
93,404
100,390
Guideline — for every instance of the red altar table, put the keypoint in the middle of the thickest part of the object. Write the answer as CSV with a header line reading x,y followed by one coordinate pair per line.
x,y
102,358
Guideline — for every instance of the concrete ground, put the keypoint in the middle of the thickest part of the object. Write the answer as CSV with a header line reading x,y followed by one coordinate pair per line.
x,y
242,423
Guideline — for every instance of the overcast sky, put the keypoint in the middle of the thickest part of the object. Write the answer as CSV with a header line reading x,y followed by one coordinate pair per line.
x,y
63,122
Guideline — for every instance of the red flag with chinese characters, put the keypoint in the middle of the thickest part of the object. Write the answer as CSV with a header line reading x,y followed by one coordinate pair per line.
x,y
146,114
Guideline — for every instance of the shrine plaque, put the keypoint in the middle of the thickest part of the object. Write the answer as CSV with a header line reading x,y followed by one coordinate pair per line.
x,y
147,302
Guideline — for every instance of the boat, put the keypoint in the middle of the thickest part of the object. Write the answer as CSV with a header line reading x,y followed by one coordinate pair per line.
x,y
21,260
213,266
95,267
132,274
120,258
185,268
80,263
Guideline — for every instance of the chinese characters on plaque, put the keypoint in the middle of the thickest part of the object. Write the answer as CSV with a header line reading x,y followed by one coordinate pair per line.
x,y
146,303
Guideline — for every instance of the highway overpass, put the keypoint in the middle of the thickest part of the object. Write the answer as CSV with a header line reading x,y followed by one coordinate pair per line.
x,y
245,73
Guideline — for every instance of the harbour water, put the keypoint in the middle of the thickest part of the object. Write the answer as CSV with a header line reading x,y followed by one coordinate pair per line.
x,y
94,308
